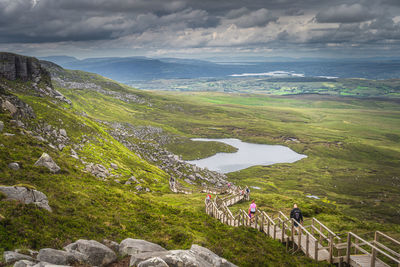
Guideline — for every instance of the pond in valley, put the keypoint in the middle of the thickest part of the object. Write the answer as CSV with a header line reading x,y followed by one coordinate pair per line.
x,y
247,155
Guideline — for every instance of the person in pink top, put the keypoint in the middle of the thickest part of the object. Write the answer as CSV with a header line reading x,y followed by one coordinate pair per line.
x,y
252,210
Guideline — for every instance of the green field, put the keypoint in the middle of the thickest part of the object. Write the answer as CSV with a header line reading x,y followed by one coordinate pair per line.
x,y
353,163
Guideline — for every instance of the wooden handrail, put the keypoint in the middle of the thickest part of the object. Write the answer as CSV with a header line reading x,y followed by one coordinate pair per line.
x,y
379,233
350,234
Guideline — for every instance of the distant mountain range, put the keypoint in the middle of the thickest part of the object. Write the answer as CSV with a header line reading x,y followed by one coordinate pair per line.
x,y
126,69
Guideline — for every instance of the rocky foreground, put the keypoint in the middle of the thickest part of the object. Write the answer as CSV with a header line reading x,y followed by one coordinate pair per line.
x,y
130,252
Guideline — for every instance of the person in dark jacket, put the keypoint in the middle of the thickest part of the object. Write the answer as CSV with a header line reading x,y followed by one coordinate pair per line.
x,y
296,215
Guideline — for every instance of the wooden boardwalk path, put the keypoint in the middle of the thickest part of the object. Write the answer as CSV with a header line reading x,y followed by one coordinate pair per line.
x,y
313,238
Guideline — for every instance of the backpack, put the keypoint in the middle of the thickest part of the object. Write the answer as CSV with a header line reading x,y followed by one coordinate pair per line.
x,y
296,215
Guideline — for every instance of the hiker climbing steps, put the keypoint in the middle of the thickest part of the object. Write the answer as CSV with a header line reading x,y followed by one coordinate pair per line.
x,y
312,237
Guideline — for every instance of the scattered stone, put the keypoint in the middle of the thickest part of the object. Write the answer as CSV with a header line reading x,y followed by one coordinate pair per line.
x,y
46,161
8,134
61,147
9,107
1,126
24,263
114,166
139,188
132,246
17,123
11,257
41,139
97,253
63,132
14,166
74,154
60,257
97,170
147,189
26,196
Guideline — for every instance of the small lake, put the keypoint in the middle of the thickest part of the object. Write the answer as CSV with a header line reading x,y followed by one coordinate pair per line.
x,y
248,155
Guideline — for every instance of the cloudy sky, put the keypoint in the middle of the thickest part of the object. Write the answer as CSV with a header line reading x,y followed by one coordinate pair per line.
x,y
201,28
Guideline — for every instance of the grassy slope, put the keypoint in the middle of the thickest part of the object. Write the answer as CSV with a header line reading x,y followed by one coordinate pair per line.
x,y
352,146
86,207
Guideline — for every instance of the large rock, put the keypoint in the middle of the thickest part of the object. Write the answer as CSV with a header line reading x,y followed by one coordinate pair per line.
x,y
11,257
153,262
173,258
195,257
46,161
26,195
209,256
132,246
97,254
60,257
24,263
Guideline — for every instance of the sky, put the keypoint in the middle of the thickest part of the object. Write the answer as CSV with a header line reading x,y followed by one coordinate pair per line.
x,y
201,28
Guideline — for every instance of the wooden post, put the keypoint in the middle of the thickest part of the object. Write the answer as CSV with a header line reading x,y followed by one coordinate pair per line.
x,y
330,248
299,237
256,221
307,245
320,236
316,250
262,222
268,230
292,234
348,248
274,231
373,257
283,232
312,226
340,261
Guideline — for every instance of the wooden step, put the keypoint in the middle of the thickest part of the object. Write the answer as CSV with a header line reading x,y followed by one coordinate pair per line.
x,y
365,261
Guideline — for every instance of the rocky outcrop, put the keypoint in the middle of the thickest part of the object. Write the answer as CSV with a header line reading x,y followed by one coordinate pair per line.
x,y
26,196
22,68
151,148
13,67
16,107
46,161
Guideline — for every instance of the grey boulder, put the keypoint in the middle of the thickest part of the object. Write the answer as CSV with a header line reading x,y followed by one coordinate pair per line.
x,y
210,257
153,262
60,257
26,196
24,263
46,161
11,257
132,246
97,254
14,166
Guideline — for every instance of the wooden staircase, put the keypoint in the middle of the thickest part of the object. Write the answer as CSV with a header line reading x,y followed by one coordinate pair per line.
x,y
313,238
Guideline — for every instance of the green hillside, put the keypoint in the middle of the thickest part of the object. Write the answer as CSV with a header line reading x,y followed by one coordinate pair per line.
x,y
352,165
107,207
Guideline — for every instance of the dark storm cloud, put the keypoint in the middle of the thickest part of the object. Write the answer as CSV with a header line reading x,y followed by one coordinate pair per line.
x,y
185,24
345,14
